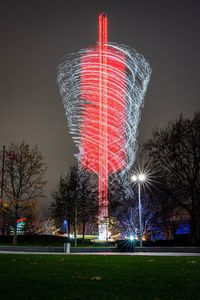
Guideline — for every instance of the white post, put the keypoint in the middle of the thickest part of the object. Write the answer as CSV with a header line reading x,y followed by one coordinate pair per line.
x,y
140,213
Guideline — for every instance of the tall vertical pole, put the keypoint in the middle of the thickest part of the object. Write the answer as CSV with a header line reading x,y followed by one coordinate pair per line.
x,y
103,122
2,185
2,171
140,213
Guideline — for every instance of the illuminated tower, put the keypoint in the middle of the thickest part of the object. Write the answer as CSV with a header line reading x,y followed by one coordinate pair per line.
x,y
102,89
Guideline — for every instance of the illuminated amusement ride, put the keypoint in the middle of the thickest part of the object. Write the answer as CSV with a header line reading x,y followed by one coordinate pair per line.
x,y
102,88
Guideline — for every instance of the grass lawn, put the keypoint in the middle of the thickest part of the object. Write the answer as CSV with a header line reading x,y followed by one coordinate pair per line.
x,y
98,277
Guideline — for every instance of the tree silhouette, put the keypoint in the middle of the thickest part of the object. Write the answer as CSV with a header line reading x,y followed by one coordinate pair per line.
x,y
75,199
175,156
23,178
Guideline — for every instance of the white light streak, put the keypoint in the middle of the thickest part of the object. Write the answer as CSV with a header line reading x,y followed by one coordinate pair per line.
x,y
137,77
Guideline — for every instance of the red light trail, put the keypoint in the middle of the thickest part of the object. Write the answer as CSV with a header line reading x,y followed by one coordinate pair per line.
x,y
103,89
104,102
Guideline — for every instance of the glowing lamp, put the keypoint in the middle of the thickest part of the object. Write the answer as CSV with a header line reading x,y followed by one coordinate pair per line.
x,y
134,178
142,177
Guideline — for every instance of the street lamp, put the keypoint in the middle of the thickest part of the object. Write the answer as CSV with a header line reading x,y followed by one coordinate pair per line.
x,y
139,179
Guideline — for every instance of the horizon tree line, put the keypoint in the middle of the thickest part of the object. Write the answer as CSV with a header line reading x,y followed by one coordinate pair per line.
x,y
173,155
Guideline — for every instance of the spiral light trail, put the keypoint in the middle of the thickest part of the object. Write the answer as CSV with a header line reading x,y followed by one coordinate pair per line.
x,y
102,88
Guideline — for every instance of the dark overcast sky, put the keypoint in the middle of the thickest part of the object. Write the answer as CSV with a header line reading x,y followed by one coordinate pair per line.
x,y
35,35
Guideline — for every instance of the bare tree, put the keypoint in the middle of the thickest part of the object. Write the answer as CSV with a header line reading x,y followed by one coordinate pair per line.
x,y
23,178
123,208
75,199
175,155
65,203
60,208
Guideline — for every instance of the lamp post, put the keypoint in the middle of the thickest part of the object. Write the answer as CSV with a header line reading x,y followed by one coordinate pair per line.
x,y
2,171
139,179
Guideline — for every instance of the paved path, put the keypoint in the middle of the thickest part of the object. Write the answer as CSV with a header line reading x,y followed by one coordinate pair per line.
x,y
107,253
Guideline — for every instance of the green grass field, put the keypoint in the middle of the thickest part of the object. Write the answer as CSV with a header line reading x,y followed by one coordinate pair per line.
x,y
98,277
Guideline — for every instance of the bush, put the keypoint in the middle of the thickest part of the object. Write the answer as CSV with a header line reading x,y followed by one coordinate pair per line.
x,y
34,240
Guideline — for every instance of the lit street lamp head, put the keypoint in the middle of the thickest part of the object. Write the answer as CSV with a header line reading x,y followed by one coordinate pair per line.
x,y
134,178
141,177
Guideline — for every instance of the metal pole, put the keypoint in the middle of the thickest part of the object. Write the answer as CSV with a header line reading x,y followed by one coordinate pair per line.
x,y
2,171
2,184
140,213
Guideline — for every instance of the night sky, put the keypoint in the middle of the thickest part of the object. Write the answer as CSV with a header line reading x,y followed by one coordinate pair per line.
x,y
35,36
